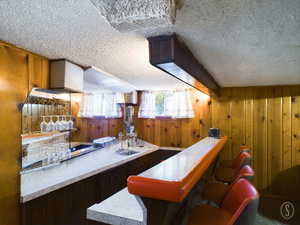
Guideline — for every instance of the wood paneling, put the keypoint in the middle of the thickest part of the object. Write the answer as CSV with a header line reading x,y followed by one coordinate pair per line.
x,y
178,132
92,128
268,120
265,118
16,78
38,71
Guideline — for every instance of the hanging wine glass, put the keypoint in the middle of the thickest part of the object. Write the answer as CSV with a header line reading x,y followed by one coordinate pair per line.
x,y
50,125
64,123
61,124
70,123
43,125
57,124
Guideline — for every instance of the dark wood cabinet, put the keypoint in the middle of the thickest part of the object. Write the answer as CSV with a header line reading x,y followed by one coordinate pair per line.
x,y
67,206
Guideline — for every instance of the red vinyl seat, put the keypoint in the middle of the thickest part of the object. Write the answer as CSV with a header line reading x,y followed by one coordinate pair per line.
x,y
231,163
216,192
238,208
227,175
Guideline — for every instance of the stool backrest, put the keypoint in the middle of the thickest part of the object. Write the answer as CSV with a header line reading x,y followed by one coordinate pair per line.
x,y
245,172
245,148
243,159
241,202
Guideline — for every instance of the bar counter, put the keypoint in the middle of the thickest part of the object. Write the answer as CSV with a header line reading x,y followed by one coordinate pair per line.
x,y
171,181
39,183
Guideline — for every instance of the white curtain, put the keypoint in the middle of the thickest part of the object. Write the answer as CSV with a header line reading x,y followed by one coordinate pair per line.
x,y
102,105
147,105
177,104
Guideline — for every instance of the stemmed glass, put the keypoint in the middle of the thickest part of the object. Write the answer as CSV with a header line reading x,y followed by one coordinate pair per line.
x,y
64,123
56,124
50,125
43,125
70,123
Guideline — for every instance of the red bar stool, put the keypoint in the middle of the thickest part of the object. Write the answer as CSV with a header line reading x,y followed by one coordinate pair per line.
x,y
226,175
239,207
216,192
231,163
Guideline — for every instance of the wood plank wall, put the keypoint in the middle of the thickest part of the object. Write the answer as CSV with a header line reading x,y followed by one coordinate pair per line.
x,y
265,118
91,128
19,71
268,120
178,132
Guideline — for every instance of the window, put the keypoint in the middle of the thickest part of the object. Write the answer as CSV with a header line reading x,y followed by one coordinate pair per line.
x,y
175,104
101,105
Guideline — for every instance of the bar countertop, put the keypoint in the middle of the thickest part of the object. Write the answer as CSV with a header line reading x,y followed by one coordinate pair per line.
x,y
172,170
38,183
176,167
173,179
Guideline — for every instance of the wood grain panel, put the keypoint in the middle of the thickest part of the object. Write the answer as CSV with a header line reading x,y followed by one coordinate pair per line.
x,y
92,128
19,71
237,121
286,128
274,138
248,117
296,125
13,91
178,132
221,118
268,120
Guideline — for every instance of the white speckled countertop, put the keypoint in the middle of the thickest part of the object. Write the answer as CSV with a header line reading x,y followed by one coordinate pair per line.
x,y
178,166
38,183
121,208
115,209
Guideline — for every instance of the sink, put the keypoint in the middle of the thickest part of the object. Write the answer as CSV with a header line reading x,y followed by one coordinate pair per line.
x,y
126,152
79,147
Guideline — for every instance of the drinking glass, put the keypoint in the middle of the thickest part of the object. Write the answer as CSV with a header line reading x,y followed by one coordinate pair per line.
x,y
50,125
70,123
43,125
120,139
64,123
57,124
61,124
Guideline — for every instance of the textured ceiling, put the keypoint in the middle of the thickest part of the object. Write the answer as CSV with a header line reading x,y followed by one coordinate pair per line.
x,y
132,15
241,42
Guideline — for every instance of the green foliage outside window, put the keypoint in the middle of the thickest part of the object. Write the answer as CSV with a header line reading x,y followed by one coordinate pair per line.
x,y
159,103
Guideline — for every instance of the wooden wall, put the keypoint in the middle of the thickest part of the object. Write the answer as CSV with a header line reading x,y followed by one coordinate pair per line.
x,y
19,71
178,132
265,118
91,128
268,120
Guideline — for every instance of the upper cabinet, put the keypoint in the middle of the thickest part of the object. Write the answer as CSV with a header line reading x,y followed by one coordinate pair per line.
x,y
38,68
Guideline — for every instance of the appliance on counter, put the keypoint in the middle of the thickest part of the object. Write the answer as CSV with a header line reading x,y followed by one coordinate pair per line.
x,y
128,119
214,132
